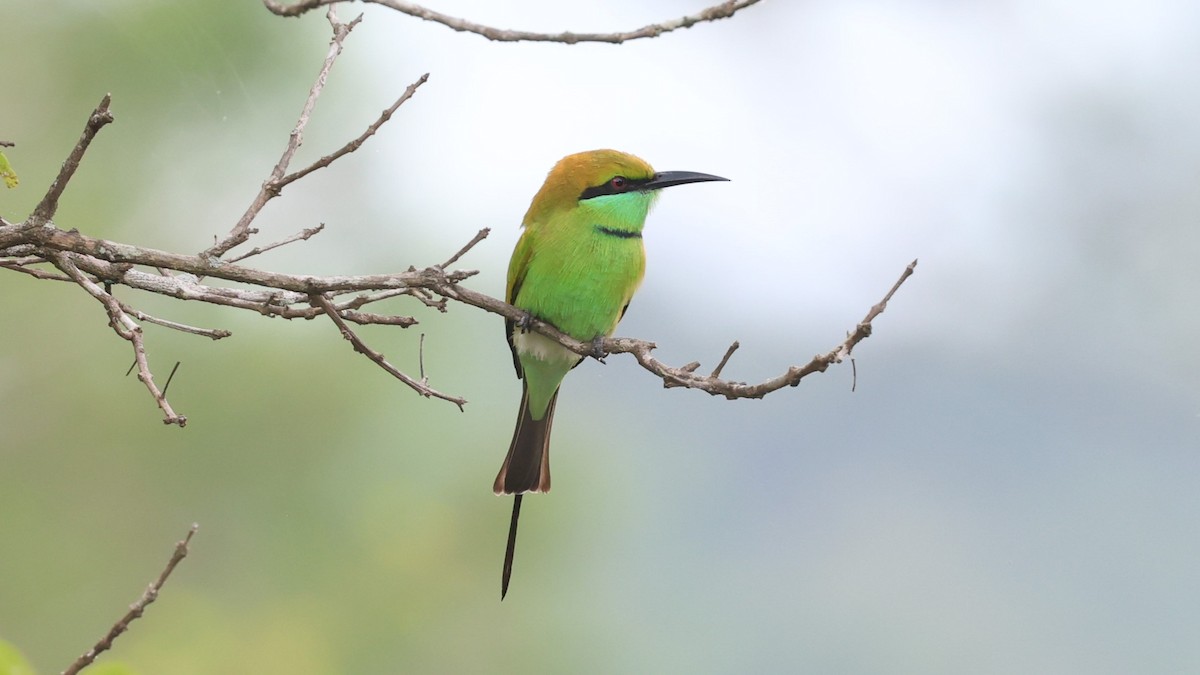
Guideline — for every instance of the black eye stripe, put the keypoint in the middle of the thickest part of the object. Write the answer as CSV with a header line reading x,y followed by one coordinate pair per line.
x,y
608,187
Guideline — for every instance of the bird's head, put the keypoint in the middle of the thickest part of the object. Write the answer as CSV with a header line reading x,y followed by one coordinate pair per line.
x,y
614,183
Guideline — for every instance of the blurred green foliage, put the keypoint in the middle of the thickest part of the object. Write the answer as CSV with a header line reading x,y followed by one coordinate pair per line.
x,y
12,662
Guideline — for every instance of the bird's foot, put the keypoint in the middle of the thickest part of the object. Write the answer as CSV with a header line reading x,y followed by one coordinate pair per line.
x,y
525,322
598,352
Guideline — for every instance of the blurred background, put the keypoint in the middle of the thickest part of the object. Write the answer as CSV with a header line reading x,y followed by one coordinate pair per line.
x,y
1011,489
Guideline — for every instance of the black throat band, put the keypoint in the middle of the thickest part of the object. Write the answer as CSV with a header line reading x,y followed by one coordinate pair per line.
x,y
623,234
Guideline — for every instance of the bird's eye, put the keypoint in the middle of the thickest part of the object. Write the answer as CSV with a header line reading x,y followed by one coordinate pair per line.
x,y
618,182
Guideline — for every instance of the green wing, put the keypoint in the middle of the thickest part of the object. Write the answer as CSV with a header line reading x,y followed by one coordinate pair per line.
x,y
517,267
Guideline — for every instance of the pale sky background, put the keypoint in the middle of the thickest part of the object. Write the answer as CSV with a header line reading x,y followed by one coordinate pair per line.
x,y
1012,488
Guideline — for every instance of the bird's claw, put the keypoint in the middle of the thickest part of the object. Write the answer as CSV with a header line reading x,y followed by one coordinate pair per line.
x,y
598,352
525,322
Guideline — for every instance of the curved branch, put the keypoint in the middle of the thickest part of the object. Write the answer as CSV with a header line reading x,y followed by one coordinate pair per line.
x,y
283,294
685,376
722,10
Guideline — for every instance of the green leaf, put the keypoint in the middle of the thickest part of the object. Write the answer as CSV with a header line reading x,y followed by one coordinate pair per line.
x,y
12,662
10,180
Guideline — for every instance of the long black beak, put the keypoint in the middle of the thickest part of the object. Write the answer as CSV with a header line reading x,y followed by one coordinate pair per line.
x,y
669,178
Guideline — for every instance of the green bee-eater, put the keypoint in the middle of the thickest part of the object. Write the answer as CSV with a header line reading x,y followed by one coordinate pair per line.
x,y
576,266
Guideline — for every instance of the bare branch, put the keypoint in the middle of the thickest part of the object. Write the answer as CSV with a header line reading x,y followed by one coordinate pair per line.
x,y
863,330
271,302
302,235
125,255
420,386
214,333
46,209
356,143
722,10
125,327
136,609
271,187
480,236
684,376
23,265
724,359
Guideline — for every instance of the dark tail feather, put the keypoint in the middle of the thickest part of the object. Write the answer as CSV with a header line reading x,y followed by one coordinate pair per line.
x,y
525,469
527,466
512,547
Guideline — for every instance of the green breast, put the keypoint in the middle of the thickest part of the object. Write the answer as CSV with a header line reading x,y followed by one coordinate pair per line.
x,y
581,278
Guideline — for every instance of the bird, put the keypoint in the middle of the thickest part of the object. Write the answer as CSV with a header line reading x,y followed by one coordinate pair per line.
x,y
576,266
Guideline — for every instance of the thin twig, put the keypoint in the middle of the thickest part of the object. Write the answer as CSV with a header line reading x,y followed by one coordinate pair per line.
x,y
46,209
136,609
722,10
125,327
428,299
359,346
724,359
214,333
479,236
270,188
365,318
23,267
356,143
170,377
421,357
302,235
863,329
